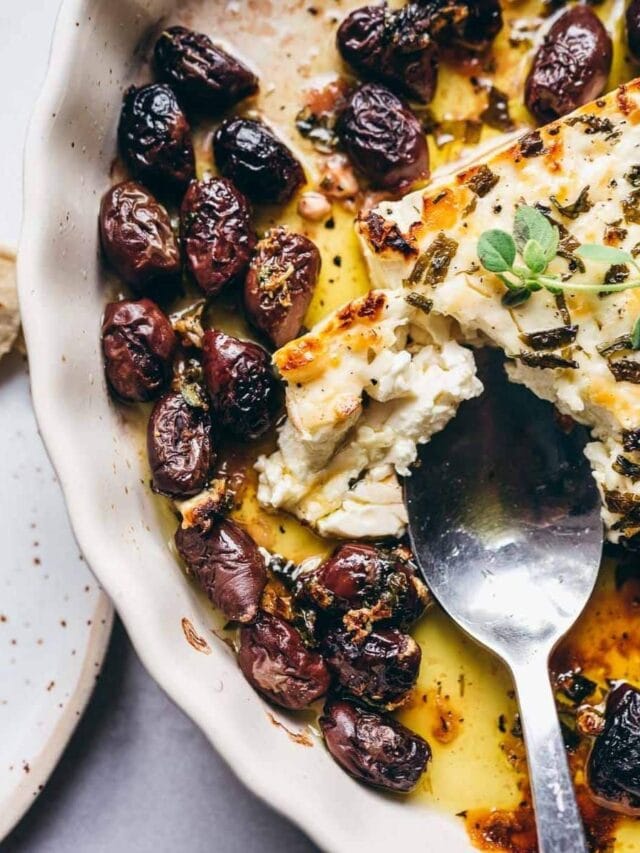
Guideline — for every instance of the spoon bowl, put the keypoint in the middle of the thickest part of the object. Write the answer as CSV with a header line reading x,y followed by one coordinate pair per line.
x,y
504,519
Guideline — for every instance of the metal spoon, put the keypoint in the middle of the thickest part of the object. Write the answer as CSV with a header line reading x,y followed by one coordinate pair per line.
x,y
505,525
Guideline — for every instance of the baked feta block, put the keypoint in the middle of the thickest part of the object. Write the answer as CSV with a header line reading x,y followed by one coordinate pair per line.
x,y
364,388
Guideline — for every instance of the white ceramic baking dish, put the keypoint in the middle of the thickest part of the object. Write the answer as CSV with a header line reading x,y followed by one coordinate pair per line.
x,y
97,455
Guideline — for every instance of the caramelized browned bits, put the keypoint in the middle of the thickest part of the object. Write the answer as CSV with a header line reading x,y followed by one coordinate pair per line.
x,y
374,748
571,66
392,47
463,25
137,237
613,768
383,138
280,283
633,28
275,661
257,162
138,345
226,563
155,138
204,76
381,668
217,237
179,446
241,384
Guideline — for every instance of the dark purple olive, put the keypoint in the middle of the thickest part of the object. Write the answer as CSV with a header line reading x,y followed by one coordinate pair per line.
x,y
155,138
280,283
217,237
571,66
204,76
179,446
371,584
226,563
633,28
258,163
241,384
613,767
383,138
394,48
137,237
381,668
374,748
463,25
138,344
276,663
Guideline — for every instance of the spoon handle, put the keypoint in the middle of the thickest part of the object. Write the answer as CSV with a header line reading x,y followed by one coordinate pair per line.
x,y
558,820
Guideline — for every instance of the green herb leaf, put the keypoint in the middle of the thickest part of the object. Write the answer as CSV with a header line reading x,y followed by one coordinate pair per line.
x,y
534,257
515,296
496,250
603,254
530,224
635,335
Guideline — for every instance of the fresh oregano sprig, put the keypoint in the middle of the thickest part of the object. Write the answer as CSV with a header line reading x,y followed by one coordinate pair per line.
x,y
536,241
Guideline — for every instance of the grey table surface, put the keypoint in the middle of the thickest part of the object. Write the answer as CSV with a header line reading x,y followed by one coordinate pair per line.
x,y
137,775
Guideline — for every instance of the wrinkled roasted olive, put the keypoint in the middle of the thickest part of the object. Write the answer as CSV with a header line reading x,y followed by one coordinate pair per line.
x,y
203,75
138,345
463,25
155,138
217,236
257,162
179,446
613,768
226,563
276,662
381,668
378,585
392,47
374,748
633,28
137,238
383,138
242,387
280,283
571,66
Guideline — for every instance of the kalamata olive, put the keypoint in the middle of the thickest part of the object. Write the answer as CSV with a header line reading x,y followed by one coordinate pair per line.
x,y
138,345
383,138
276,663
633,28
257,162
381,668
613,768
226,563
204,76
137,237
179,446
571,66
217,236
374,748
280,283
369,583
155,138
242,386
463,25
394,48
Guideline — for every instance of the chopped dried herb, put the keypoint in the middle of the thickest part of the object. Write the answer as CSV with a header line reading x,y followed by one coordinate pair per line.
x,y
574,263
572,211
625,370
616,274
631,207
631,439
614,233
496,113
531,144
318,129
616,345
547,361
594,124
575,686
625,504
433,264
633,176
386,235
417,300
482,181
561,305
550,338
627,467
